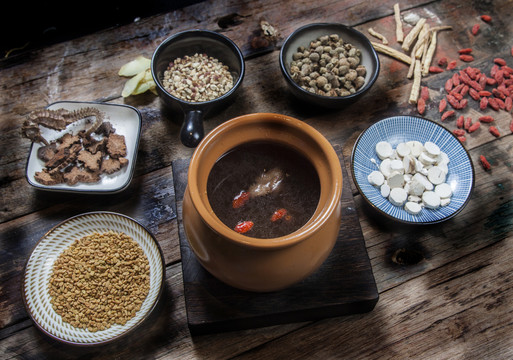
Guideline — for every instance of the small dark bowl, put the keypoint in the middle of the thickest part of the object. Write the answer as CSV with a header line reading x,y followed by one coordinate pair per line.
x,y
304,35
189,43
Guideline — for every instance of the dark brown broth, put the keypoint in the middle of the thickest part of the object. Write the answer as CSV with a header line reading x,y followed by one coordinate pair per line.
x,y
239,168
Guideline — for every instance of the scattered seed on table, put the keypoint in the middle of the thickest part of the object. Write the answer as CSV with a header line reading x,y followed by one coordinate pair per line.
x,y
494,131
460,122
459,132
499,61
484,163
452,65
466,58
435,69
421,105
483,103
474,127
468,123
493,103
424,93
442,105
486,119
508,104
447,114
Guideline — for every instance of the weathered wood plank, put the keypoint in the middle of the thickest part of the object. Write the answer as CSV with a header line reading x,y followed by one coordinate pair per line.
x,y
454,312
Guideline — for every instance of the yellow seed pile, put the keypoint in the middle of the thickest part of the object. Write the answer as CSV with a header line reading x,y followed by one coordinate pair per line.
x,y
99,281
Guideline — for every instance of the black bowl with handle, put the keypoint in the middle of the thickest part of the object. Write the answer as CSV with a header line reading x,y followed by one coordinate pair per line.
x,y
192,42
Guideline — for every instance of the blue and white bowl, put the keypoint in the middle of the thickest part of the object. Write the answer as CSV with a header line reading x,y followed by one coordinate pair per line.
x,y
398,129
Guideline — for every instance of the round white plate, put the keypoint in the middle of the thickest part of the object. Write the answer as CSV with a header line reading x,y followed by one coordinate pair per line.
x,y
399,129
39,268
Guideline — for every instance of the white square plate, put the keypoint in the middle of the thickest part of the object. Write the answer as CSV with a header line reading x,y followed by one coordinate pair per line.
x,y
125,119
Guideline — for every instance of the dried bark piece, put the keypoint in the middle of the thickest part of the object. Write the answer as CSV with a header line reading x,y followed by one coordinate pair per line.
x,y
94,146
105,129
91,161
77,175
48,178
68,139
63,157
116,146
110,166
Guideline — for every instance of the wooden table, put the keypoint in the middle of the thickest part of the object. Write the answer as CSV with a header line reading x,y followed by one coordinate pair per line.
x,y
445,290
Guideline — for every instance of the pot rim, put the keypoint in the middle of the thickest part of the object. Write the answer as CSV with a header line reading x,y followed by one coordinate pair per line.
x,y
307,230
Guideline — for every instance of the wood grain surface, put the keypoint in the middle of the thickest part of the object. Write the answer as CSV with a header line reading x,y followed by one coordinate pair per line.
x,y
445,290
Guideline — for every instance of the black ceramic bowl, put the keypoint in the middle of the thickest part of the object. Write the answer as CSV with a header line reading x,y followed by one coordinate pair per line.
x,y
304,35
189,43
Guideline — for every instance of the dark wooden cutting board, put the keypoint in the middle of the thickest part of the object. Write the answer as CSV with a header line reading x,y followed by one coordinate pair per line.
x,y
343,285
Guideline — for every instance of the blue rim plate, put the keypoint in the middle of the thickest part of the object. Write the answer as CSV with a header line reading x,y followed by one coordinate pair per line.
x,y
399,129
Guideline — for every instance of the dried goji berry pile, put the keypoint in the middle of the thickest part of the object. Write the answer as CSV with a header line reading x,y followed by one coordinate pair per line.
x,y
493,90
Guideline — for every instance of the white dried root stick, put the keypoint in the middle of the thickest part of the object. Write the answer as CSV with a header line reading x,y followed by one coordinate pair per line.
x,y
378,35
387,50
425,42
413,34
419,45
398,24
426,61
421,41
415,88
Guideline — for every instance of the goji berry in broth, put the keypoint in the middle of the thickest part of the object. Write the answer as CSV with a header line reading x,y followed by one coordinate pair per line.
x,y
240,199
244,226
278,214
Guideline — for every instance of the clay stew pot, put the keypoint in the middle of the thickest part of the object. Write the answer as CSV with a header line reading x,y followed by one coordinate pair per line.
x,y
262,264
